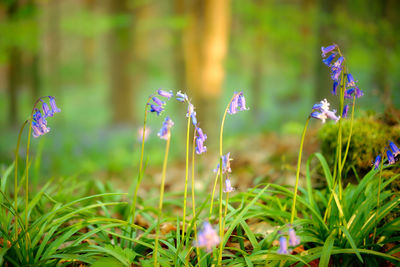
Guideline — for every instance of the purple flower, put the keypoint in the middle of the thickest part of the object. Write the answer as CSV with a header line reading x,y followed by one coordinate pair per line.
x,y
234,104
377,162
390,157
192,114
228,186
283,249
37,130
165,129
359,93
54,108
327,61
345,111
226,164
181,97
335,75
350,81
207,237
158,101
165,93
242,102
321,111
394,148
338,64
326,50
348,93
200,148
335,86
46,110
156,108
202,136
294,240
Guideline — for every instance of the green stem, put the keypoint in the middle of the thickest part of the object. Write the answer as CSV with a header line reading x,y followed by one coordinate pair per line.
x,y
378,200
160,205
350,134
193,196
221,230
16,178
213,193
186,178
140,175
298,171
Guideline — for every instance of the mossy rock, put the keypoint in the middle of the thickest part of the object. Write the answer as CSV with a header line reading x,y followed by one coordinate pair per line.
x,y
370,136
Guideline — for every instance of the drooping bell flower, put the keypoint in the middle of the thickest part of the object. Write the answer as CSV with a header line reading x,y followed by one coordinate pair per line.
x,y
158,101
226,164
165,93
46,110
242,102
335,86
327,61
294,240
200,147
200,133
328,49
181,97
390,157
335,75
37,130
207,237
319,115
359,93
345,111
338,64
395,149
350,81
156,108
321,111
348,93
234,105
323,105
165,132
377,162
283,246
228,186
54,108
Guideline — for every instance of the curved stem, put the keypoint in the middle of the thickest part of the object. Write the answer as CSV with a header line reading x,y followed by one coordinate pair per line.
x,y
193,196
298,171
213,193
350,134
140,175
16,178
160,205
186,179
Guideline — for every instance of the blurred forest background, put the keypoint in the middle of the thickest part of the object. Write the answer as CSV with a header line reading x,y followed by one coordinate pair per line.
x,y
102,58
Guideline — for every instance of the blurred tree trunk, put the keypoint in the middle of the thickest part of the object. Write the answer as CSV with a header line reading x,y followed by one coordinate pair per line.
x,y
179,63
205,48
14,72
89,46
120,56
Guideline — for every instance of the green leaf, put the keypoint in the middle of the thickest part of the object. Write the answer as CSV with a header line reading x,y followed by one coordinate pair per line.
x,y
327,249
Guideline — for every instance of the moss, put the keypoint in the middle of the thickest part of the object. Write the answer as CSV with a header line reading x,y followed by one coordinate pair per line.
x,y
370,136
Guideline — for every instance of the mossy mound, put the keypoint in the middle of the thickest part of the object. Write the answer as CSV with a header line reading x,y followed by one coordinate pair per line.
x,y
369,138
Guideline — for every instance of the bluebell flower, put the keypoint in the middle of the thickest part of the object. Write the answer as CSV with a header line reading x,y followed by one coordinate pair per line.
x,y
242,102
156,108
37,130
390,157
46,110
328,49
294,240
395,149
335,75
226,164
327,61
335,86
207,237
338,64
200,147
165,132
377,162
345,111
234,104
350,81
283,246
201,134
54,108
321,111
228,186
165,93
359,93
181,97
158,101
